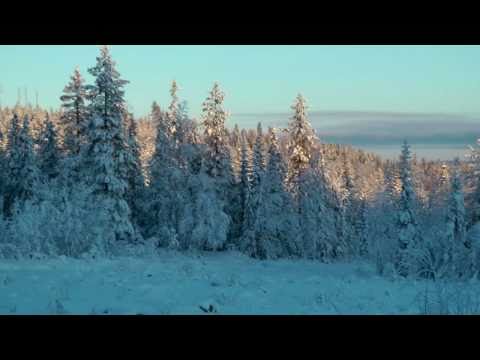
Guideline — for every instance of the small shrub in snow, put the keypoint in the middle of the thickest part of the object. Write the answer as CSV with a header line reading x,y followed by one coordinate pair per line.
x,y
61,224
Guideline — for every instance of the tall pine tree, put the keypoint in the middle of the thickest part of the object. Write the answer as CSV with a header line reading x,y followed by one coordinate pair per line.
x,y
277,230
75,113
48,151
301,144
106,155
406,217
22,170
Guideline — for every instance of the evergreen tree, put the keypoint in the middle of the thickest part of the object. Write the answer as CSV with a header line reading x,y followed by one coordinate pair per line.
x,y
361,227
156,114
22,170
165,184
455,220
317,217
203,224
245,172
235,143
258,159
105,158
247,241
75,113
276,225
13,134
406,221
48,152
462,249
173,115
188,134
135,179
391,182
235,138
301,143
218,162
348,204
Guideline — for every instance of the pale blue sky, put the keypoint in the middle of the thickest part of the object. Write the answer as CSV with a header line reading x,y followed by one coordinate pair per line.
x,y
264,79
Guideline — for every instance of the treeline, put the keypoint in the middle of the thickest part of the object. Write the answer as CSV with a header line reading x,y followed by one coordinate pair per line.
x,y
90,180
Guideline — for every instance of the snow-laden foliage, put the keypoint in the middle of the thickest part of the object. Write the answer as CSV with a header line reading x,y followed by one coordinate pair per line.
x,y
23,174
135,194
166,183
218,164
49,156
302,140
276,227
63,223
106,155
203,224
407,220
75,114
214,116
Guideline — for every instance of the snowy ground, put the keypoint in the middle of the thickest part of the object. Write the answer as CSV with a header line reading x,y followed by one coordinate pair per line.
x,y
225,283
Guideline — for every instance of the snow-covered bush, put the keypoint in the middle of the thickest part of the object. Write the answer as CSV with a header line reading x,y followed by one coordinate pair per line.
x,y
204,224
382,243
62,223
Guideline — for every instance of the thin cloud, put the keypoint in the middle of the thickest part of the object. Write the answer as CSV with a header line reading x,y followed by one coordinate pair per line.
x,y
379,127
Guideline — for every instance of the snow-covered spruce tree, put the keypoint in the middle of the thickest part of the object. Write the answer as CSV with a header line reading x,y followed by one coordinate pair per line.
x,y
456,211
180,129
22,170
218,163
245,170
183,122
235,138
433,181
277,230
135,195
105,156
165,185
391,181
382,225
13,133
316,213
361,227
48,151
458,246
156,114
173,115
235,151
348,204
258,159
406,217
301,143
188,138
75,114
250,195
246,241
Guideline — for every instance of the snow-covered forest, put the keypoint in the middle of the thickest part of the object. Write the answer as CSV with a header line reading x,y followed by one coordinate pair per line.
x,y
91,181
